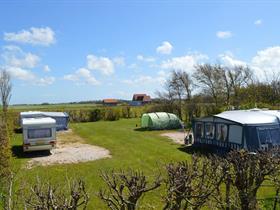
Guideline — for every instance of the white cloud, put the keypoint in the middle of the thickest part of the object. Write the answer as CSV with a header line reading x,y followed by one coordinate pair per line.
x,y
21,74
165,48
185,63
141,79
229,60
82,75
29,76
258,22
162,76
133,66
71,77
145,59
85,73
15,56
20,65
147,79
12,48
29,60
102,64
267,62
119,61
46,68
224,34
35,36
45,81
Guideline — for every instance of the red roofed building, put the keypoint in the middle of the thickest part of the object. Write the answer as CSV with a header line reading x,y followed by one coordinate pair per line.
x,y
110,102
140,99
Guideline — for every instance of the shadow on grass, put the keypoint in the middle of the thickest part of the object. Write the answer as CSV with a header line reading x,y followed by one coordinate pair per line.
x,y
18,130
205,150
167,130
141,129
17,151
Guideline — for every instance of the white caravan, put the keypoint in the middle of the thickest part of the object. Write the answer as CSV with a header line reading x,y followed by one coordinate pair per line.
x,y
38,134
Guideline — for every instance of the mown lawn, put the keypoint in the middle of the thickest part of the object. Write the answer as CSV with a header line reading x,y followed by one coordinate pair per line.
x,y
129,147
145,150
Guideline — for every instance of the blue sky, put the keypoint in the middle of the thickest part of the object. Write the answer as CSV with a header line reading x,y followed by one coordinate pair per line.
x,y
88,50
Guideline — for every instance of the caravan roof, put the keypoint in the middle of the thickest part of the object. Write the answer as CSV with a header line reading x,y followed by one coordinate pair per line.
x,y
38,121
251,117
30,113
39,113
55,114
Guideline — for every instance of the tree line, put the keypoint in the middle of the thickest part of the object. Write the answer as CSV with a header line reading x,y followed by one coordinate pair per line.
x,y
219,87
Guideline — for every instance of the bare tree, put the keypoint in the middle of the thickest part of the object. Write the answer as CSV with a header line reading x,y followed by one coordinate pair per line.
x,y
189,184
275,180
249,171
176,86
187,84
235,78
224,196
178,91
125,189
47,196
167,98
210,78
5,89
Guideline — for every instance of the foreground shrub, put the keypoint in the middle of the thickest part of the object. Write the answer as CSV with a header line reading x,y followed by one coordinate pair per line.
x,y
248,172
48,196
125,189
189,184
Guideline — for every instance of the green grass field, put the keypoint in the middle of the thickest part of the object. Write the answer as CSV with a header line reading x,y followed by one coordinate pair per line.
x,y
145,150
129,148
52,106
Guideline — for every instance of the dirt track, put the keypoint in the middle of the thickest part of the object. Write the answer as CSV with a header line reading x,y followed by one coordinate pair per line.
x,y
177,137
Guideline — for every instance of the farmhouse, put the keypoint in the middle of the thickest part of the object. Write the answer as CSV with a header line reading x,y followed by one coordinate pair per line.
x,y
248,129
61,118
160,120
140,99
110,102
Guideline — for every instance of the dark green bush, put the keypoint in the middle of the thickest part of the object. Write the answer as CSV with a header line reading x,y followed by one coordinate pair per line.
x,y
96,115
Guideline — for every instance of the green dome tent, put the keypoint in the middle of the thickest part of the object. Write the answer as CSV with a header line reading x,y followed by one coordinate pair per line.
x,y
160,120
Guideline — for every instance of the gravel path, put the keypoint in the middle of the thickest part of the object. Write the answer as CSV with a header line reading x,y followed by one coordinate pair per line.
x,y
66,153
177,137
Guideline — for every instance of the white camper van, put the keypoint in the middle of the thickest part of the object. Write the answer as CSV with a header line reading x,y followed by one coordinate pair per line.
x,y
38,134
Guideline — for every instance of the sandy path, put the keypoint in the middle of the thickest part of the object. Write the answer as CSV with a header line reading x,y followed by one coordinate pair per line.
x,y
177,137
70,149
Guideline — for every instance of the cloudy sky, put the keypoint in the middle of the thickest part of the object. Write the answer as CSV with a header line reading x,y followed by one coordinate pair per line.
x,y
86,50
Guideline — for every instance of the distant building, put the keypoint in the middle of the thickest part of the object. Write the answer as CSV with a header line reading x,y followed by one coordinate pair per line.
x,y
140,99
110,102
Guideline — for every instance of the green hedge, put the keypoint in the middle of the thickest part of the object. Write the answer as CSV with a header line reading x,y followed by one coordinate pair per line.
x,y
88,115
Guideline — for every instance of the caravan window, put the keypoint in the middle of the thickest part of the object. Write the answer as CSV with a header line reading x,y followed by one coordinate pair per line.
x,y
264,136
209,130
269,135
222,131
39,133
199,130
275,135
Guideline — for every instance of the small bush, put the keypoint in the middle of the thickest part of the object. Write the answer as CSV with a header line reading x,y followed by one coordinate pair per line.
x,y
111,115
96,115
126,112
